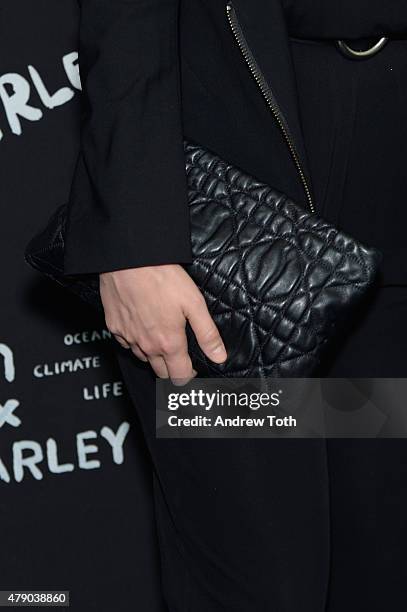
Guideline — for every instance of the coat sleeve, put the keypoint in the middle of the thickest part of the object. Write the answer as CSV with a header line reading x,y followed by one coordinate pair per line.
x,y
128,200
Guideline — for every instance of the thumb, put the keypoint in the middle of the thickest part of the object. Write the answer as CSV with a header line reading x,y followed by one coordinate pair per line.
x,y
206,333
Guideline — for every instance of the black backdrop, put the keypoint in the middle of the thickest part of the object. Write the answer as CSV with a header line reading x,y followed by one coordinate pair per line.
x,y
75,498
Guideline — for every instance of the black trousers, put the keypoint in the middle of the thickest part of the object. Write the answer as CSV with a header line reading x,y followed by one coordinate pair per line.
x,y
355,129
306,525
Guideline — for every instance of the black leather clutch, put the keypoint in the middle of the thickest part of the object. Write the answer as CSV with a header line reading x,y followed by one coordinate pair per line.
x,y
278,281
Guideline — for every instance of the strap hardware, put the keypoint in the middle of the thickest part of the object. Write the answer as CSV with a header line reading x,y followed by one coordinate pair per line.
x,y
360,55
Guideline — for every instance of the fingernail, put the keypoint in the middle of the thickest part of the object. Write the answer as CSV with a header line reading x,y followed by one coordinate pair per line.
x,y
181,382
220,352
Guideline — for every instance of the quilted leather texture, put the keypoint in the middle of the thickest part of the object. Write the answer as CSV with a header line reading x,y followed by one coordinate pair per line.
x,y
277,279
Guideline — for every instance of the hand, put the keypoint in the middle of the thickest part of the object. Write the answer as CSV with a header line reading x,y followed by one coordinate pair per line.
x,y
146,310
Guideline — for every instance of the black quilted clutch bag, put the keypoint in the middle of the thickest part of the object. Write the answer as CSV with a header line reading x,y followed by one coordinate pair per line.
x,y
278,280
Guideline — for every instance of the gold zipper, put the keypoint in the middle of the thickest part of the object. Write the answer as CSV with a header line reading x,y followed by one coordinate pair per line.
x,y
268,96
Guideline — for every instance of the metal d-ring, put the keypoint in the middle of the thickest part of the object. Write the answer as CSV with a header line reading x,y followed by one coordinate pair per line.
x,y
354,54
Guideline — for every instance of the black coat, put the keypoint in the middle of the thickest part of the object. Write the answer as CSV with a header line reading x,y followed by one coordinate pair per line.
x,y
156,72
302,521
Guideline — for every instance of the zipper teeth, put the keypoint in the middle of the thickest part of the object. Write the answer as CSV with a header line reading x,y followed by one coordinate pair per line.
x,y
254,69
